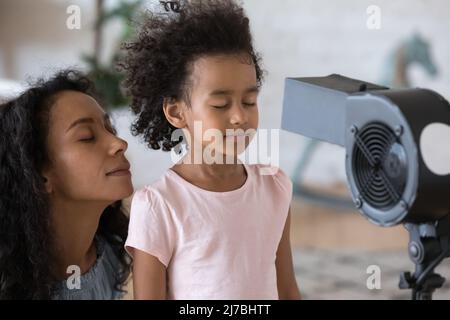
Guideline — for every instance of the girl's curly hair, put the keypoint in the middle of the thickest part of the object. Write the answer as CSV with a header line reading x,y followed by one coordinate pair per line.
x,y
26,242
157,63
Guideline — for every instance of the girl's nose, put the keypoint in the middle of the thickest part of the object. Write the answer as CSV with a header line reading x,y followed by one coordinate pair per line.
x,y
239,115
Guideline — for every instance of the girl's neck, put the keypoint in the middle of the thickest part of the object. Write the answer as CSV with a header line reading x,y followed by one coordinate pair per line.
x,y
75,225
213,177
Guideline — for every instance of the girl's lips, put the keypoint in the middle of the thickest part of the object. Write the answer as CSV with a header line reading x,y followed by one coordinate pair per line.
x,y
120,173
236,135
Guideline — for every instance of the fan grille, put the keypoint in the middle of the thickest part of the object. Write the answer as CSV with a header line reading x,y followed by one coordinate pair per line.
x,y
379,166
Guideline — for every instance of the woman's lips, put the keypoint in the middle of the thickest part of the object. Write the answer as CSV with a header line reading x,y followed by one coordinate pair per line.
x,y
120,170
119,173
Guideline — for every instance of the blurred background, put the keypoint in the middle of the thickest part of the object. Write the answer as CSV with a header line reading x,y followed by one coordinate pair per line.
x,y
396,43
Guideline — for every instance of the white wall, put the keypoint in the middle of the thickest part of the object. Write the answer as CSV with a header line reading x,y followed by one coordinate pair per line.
x,y
320,37
295,38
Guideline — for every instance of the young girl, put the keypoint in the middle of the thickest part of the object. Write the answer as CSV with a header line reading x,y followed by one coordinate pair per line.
x,y
205,230
62,174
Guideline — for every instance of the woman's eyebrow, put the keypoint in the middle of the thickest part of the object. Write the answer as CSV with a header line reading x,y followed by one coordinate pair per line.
x,y
85,120
221,92
80,121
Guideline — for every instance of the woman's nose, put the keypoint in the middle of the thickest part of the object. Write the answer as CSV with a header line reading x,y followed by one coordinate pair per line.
x,y
118,145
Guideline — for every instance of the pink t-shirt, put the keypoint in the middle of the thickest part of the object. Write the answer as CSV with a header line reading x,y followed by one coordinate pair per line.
x,y
215,245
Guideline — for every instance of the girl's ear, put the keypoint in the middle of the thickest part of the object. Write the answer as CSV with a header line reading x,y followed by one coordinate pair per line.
x,y
174,112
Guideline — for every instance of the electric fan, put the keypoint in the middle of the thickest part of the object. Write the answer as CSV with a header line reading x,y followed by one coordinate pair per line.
x,y
388,171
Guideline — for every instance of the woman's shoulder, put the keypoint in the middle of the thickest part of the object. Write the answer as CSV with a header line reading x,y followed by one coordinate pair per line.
x,y
96,284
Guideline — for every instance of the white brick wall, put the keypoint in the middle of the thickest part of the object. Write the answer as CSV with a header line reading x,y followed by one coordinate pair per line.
x,y
316,38
295,38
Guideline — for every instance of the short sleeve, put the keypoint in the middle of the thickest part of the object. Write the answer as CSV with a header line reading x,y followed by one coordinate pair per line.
x,y
284,182
150,228
277,176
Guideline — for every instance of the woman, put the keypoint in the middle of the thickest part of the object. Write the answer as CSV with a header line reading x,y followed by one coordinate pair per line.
x,y
63,173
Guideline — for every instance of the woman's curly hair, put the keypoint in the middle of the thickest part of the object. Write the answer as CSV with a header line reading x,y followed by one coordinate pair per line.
x,y
26,242
157,63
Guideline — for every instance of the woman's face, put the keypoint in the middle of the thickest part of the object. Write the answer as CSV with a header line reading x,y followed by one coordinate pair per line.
x,y
87,159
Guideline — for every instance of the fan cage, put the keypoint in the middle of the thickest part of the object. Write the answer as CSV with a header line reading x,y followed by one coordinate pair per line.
x,y
372,145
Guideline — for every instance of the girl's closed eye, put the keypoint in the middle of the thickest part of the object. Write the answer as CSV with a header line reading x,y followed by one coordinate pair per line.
x,y
223,106
220,106
249,104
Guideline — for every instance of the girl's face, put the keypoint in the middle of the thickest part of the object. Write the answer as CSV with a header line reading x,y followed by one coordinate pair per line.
x,y
87,160
223,95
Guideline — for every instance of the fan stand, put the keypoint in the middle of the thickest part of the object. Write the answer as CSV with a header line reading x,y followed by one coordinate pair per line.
x,y
429,244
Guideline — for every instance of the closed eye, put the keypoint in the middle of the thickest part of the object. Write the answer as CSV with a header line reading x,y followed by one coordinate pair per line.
x,y
220,107
90,139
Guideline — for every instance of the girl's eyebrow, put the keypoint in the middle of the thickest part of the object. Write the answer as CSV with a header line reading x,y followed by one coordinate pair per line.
x,y
221,92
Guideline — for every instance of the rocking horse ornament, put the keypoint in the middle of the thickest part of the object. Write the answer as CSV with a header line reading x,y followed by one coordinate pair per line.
x,y
414,50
